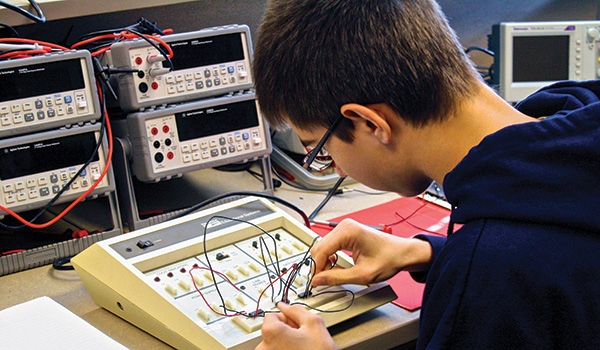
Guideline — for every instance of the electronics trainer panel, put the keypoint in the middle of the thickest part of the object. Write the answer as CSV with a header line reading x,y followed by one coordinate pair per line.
x,y
170,141
208,62
531,55
197,282
33,168
46,92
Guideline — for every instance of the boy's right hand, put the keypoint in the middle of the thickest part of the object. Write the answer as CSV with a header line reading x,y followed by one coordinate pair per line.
x,y
377,255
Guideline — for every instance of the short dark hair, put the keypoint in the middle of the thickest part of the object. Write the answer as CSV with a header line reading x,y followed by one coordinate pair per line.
x,y
313,56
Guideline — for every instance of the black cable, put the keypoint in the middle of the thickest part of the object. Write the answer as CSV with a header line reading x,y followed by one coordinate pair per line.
x,y
287,284
276,267
310,259
143,26
77,174
479,48
60,264
234,167
293,185
156,46
243,193
16,34
40,18
141,29
329,292
276,183
210,265
327,198
262,253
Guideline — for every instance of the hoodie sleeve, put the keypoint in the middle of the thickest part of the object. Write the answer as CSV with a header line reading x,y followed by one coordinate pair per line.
x,y
437,243
560,98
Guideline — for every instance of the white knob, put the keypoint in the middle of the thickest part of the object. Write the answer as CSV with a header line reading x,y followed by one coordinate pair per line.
x,y
593,34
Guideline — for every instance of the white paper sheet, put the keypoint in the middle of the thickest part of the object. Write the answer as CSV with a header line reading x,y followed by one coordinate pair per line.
x,y
43,323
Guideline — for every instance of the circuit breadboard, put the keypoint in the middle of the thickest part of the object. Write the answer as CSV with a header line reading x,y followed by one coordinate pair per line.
x,y
206,280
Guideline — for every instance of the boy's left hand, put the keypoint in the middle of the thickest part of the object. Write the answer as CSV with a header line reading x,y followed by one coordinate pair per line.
x,y
295,328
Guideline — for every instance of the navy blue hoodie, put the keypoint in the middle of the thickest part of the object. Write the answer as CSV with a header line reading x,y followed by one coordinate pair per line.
x,y
524,269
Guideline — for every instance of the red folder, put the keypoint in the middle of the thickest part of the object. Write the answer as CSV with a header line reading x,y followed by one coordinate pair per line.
x,y
406,217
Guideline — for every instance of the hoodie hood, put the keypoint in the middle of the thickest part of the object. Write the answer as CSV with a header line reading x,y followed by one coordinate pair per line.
x,y
539,172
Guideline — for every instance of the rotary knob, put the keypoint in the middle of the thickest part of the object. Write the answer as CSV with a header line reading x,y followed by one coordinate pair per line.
x,y
593,34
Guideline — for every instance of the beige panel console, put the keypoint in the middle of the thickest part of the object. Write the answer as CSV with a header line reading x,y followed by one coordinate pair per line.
x,y
205,281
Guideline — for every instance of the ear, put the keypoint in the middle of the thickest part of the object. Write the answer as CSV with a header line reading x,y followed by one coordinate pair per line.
x,y
372,118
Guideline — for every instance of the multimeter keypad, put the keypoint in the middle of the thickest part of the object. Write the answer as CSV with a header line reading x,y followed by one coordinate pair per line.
x,y
41,187
40,109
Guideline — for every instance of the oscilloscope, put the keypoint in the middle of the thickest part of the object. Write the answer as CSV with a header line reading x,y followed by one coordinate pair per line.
x,y
531,55
197,282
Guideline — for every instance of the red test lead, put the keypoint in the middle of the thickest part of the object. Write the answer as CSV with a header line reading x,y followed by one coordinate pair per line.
x,y
384,228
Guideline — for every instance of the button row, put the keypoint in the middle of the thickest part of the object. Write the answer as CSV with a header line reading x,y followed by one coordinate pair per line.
x,y
208,73
22,196
18,113
30,117
206,154
43,186
179,83
210,148
38,104
199,85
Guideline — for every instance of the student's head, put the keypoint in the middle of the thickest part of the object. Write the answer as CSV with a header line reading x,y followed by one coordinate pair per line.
x,y
314,56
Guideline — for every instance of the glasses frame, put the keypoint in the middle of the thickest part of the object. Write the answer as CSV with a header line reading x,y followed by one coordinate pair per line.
x,y
312,154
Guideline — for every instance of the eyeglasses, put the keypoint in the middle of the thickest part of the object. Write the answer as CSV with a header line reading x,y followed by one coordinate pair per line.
x,y
312,154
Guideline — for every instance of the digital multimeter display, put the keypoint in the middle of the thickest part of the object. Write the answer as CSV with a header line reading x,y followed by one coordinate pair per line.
x,y
206,51
41,156
41,79
216,120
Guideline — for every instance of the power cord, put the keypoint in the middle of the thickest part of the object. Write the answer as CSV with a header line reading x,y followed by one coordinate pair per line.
x,y
40,18
243,193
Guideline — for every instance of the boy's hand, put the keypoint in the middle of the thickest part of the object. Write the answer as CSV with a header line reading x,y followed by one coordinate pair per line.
x,y
295,328
377,256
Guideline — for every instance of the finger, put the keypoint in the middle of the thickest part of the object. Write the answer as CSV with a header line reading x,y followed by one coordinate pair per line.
x,y
273,325
286,320
296,313
338,276
336,240
275,317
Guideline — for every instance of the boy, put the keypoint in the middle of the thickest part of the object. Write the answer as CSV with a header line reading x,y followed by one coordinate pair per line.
x,y
387,89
